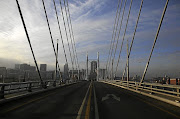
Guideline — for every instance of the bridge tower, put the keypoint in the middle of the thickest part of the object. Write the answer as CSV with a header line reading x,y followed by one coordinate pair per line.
x,y
87,66
97,66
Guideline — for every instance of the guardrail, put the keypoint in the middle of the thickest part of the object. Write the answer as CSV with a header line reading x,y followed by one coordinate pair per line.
x,y
17,87
170,92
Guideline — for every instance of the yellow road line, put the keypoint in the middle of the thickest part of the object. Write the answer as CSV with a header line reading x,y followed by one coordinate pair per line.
x,y
87,114
83,102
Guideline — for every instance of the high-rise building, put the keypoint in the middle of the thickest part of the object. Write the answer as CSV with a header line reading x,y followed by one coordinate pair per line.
x,y
43,67
93,66
93,72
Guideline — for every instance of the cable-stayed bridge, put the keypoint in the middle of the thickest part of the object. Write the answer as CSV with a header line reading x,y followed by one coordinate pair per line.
x,y
93,93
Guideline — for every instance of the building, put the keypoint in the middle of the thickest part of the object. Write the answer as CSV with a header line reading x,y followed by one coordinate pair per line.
x,y
93,72
32,68
93,66
13,75
75,73
173,81
3,72
17,66
24,67
43,67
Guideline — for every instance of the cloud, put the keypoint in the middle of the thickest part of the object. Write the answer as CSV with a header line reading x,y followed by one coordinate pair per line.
x,y
92,22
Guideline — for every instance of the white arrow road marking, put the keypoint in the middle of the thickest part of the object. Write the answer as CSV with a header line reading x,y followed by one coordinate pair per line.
x,y
110,95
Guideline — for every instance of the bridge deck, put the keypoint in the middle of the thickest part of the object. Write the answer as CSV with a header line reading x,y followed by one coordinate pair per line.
x,y
66,102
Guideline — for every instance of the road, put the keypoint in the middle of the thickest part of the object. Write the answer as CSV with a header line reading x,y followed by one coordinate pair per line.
x,y
116,103
63,103
87,100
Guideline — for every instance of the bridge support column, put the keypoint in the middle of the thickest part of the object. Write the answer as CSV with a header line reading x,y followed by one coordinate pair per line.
x,y
87,67
29,88
127,64
2,92
178,92
97,66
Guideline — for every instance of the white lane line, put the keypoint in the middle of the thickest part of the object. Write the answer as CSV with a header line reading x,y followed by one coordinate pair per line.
x,y
82,105
95,103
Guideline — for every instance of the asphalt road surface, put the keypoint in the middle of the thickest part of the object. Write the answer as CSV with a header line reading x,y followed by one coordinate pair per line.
x,y
116,103
87,100
63,103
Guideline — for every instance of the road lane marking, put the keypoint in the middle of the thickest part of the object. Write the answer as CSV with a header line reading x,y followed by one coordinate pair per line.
x,y
110,96
83,102
95,102
87,114
146,102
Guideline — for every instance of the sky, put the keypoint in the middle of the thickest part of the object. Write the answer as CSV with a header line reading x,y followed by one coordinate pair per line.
x,y
92,22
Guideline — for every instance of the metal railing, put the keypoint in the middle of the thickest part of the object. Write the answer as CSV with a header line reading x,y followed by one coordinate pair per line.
x,y
166,91
18,87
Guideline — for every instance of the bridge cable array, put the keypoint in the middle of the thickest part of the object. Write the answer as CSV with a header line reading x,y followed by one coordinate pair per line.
x,y
124,34
60,31
72,35
132,38
117,38
112,36
70,31
67,18
116,32
66,34
128,52
118,35
51,37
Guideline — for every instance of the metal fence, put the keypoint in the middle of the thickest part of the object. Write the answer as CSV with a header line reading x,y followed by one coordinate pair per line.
x,y
170,92
18,87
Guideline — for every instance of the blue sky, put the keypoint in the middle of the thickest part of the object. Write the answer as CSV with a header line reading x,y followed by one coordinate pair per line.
x,y
92,22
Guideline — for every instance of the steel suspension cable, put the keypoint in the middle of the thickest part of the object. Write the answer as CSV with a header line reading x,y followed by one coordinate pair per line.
x,y
124,35
66,34
112,35
72,34
51,36
133,36
60,29
60,33
67,18
155,39
24,25
112,48
118,35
